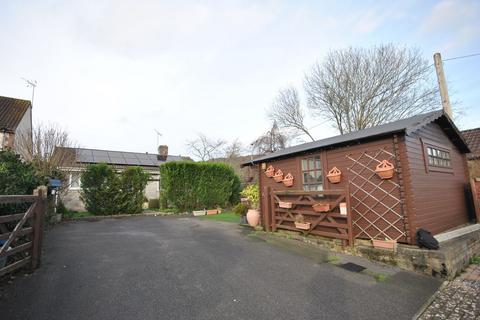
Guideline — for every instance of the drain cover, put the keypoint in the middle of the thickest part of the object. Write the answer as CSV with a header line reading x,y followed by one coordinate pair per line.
x,y
352,267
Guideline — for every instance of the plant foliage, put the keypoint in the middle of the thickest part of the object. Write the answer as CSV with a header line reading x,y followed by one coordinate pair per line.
x,y
196,185
104,192
252,194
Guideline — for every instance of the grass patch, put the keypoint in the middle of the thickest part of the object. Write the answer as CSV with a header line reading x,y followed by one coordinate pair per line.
x,y
74,214
333,259
380,277
224,216
475,260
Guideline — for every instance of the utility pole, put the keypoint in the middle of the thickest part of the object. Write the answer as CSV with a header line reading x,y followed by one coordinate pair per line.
x,y
33,84
442,84
158,136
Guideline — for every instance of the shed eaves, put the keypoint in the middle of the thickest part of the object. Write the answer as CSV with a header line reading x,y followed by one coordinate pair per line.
x,y
407,125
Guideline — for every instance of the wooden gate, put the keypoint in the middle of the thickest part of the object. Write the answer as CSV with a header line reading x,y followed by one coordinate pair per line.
x,y
22,236
377,211
331,223
475,186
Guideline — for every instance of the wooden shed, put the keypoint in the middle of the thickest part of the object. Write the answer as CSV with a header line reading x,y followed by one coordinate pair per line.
x,y
427,189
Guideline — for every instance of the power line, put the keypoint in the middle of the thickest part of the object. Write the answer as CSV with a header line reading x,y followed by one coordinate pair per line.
x,y
462,57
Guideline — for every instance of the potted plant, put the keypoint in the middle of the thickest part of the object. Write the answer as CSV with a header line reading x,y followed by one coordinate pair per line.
x,y
300,222
321,207
288,180
252,193
241,210
388,244
270,171
385,169
278,176
334,175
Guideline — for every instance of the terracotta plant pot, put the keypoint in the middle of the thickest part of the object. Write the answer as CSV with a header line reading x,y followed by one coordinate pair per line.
x,y
253,217
334,175
285,205
385,244
303,225
288,180
270,171
212,211
321,207
385,169
343,208
278,176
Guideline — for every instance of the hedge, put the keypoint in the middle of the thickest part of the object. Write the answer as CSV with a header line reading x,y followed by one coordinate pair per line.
x,y
104,192
197,185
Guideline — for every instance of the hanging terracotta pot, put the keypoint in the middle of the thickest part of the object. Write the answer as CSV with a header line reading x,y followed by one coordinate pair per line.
x,y
270,171
288,180
285,205
321,207
334,175
278,176
385,169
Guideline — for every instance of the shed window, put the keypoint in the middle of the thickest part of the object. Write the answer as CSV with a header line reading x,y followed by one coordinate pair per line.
x,y
312,174
438,157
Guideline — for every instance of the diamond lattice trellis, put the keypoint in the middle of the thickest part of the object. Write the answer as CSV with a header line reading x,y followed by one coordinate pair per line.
x,y
376,204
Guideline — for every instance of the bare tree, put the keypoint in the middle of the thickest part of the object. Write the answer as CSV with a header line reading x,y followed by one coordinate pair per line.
x,y
205,148
233,149
270,141
359,88
42,149
287,112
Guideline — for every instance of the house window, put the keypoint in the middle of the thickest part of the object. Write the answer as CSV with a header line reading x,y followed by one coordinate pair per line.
x,y
312,174
75,182
438,157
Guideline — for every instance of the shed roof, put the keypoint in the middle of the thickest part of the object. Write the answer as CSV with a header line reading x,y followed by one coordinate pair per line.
x,y
472,136
407,125
123,158
11,112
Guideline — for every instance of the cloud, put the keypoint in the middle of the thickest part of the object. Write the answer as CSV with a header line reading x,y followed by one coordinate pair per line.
x,y
457,21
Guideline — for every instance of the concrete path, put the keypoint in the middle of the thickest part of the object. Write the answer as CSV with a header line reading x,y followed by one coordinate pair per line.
x,y
186,268
459,299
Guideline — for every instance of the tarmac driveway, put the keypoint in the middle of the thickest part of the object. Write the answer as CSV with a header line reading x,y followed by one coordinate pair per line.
x,y
186,268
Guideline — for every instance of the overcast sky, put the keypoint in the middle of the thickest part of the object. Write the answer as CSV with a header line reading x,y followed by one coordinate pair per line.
x,y
113,71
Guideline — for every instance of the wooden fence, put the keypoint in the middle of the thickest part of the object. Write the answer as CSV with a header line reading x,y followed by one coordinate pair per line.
x,y
475,186
331,223
22,242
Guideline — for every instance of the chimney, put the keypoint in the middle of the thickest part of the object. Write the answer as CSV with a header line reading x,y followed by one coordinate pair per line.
x,y
162,153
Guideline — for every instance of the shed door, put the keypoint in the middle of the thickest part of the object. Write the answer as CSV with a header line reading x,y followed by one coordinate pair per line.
x,y
375,203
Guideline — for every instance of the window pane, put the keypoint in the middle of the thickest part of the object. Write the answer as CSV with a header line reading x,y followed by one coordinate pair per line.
x,y
304,164
75,180
318,163
311,164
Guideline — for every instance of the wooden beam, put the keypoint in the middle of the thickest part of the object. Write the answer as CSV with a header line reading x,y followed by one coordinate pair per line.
x,y
14,266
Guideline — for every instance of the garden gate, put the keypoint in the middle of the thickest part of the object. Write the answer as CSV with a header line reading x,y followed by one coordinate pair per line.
x,y
22,241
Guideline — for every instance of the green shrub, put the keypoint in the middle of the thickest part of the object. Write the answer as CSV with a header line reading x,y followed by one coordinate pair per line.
x,y
104,192
16,177
192,185
133,181
252,194
154,204
240,209
61,209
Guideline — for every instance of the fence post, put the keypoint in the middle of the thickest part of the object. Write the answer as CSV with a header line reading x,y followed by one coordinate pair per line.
x,y
38,218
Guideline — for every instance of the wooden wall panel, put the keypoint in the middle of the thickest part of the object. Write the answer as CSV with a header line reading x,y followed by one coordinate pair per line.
x,y
435,199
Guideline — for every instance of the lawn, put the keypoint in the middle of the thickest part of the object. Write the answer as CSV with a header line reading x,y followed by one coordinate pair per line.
x,y
227,216
81,214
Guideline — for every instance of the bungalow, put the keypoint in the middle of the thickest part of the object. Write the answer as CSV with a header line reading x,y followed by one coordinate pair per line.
x,y
15,123
74,161
384,182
